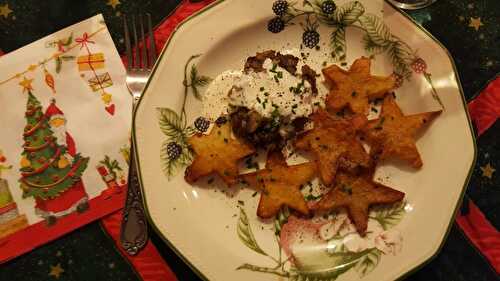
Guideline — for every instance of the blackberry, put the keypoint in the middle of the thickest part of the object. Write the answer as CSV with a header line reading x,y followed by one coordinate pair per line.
x,y
221,121
276,25
174,150
280,7
201,124
328,7
310,38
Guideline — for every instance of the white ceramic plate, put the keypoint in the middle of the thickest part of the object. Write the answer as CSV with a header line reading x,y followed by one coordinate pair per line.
x,y
221,238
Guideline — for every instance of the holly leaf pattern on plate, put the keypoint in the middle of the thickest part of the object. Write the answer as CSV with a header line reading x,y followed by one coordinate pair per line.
x,y
389,216
171,124
368,262
337,42
348,13
246,235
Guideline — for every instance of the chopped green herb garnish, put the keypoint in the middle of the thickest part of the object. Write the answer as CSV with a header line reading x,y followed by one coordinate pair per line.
x,y
261,89
258,100
380,123
310,197
280,74
254,194
241,203
346,189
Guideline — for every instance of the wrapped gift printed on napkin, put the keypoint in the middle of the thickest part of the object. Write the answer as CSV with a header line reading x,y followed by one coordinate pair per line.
x,y
65,118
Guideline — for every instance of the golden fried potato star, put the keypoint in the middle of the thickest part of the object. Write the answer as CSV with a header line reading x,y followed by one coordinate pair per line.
x,y
280,185
217,153
393,134
355,87
334,145
357,194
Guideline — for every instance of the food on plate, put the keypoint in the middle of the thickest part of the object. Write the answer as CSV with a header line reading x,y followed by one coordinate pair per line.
x,y
276,102
265,132
217,152
334,145
356,194
256,63
280,185
392,135
354,88
270,85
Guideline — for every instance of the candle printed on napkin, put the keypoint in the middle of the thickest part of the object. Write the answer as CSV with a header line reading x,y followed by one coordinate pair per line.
x,y
66,116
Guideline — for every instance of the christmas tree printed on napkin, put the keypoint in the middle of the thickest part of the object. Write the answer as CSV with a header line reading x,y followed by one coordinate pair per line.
x,y
10,219
51,169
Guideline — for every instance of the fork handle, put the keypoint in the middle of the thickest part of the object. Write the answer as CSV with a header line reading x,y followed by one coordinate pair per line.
x,y
134,228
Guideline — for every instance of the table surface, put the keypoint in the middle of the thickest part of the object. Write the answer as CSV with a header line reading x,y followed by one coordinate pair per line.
x,y
469,29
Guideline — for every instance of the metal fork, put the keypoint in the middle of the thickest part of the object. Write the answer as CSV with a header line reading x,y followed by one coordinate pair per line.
x,y
134,228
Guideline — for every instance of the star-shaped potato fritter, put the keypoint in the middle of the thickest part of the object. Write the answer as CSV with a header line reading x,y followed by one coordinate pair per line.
x,y
357,194
393,134
355,87
334,145
217,153
280,185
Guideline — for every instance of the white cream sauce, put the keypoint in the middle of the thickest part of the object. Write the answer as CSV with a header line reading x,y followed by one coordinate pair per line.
x,y
266,92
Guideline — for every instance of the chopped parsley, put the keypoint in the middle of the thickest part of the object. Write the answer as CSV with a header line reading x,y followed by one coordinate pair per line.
x,y
346,189
310,197
380,123
262,89
298,89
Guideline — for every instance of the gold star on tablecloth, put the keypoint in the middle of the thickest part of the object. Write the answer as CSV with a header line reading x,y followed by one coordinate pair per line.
x,y
26,84
475,23
488,170
5,11
113,3
56,271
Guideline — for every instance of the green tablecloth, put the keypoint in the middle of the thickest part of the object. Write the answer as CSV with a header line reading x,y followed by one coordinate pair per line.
x,y
469,29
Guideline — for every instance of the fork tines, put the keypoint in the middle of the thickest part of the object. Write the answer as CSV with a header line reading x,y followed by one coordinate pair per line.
x,y
144,54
